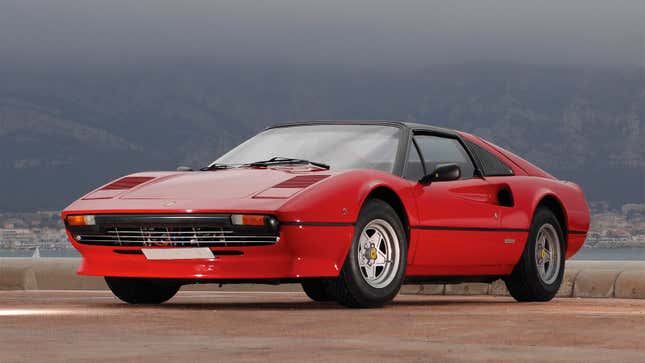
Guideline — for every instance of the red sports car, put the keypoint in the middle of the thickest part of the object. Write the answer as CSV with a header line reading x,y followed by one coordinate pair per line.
x,y
351,210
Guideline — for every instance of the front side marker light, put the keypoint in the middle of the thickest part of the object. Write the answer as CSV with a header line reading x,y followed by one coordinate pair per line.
x,y
86,220
248,220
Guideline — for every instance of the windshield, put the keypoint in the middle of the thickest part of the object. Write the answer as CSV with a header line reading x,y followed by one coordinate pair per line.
x,y
342,147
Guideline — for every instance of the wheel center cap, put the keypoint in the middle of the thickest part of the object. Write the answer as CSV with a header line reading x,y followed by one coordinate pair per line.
x,y
373,253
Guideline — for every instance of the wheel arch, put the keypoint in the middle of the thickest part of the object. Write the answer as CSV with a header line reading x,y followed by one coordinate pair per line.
x,y
554,204
390,197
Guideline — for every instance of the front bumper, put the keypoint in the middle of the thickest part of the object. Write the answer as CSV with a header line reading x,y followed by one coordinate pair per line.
x,y
302,251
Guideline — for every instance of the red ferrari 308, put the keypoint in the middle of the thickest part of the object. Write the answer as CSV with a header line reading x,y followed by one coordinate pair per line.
x,y
351,210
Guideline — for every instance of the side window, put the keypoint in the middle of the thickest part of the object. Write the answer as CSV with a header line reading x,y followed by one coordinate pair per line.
x,y
491,165
437,150
413,167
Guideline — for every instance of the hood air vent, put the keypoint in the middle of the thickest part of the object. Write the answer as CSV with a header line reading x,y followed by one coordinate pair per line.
x,y
128,182
301,181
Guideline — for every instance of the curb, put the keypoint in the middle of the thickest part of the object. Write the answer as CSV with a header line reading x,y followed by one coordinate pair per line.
x,y
25,273
45,274
583,279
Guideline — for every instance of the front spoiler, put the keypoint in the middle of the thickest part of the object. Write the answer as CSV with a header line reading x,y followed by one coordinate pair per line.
x,y
303,251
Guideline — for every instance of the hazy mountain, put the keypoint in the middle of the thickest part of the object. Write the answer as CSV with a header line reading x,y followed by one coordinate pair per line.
x,y
66,130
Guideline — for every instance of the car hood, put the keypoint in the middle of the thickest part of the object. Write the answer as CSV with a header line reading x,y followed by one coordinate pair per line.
x,y
217,184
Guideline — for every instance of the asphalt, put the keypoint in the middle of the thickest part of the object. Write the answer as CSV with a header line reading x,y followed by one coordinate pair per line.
x,y
81,326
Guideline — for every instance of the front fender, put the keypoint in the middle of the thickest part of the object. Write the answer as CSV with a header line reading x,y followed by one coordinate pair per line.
x,y
339,199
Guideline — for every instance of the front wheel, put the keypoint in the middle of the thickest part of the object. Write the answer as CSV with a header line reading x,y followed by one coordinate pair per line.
x,y
375,265
538,275
318,289
141,290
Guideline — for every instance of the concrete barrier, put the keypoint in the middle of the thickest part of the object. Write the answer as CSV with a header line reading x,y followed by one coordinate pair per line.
x,y
588,279
595,283
45,274
471,288
584,279
25,273
630,284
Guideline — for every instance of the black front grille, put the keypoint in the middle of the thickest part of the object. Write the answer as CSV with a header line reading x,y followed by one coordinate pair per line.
x,y
173,231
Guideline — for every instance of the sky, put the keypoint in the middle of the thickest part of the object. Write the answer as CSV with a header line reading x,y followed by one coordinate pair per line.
x,y
346,32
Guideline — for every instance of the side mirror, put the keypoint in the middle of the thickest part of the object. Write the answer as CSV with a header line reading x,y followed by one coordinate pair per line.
x,y
184,168
443,172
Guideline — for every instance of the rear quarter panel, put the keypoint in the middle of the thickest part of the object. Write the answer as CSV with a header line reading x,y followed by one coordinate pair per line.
x,y
529,191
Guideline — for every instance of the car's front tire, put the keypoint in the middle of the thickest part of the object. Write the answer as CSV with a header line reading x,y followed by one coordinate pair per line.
x,y
375,265
318,289
141,290
538,275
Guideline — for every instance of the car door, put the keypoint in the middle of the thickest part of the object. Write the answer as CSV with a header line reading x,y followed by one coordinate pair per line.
x,y
458,220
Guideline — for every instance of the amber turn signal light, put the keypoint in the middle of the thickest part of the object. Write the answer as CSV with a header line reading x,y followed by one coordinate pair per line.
x,y
87,220
248,219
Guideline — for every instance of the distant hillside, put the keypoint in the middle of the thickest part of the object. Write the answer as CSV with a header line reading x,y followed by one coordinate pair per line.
x,y
65,131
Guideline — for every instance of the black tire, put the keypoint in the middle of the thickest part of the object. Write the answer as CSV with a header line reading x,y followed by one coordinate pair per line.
x,y
318,289
142,291
350,288
525,283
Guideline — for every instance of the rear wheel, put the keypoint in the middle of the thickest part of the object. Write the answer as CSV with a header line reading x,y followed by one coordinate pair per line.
x,y
375,265
141,290
538,275
318,289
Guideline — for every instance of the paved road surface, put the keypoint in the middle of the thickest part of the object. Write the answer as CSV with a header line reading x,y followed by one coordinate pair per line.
x,y
79,326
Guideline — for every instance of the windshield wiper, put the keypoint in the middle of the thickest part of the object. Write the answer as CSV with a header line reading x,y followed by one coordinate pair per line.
x,y
278,160
215,167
